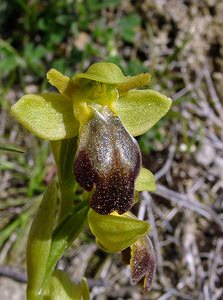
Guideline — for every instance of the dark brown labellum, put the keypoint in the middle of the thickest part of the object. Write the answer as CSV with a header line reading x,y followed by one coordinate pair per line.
x,y
108,159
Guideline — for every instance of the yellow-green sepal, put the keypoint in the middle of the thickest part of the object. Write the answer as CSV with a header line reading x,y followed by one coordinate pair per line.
x,y
103,72
109,73
116,232
139,110
145,181
48,116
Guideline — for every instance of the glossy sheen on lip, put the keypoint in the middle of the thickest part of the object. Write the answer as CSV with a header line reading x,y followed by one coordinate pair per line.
x,y
107,159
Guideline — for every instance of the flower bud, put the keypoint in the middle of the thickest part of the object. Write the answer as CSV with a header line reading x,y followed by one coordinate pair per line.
x,y
142,261
107,159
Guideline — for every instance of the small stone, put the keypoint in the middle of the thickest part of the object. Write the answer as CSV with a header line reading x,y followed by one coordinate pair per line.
x,y
31,89
206,154
10,289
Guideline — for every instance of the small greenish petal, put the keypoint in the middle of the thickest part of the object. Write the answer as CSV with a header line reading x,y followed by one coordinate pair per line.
x,y
116,232
103,72
133,82
145,181
63,83
141,110
49,116
58,80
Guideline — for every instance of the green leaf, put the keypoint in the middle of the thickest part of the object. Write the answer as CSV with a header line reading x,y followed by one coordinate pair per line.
x,y
60,287
145,181
128,27
9,59
140,110
84,289
49,116
39,242
65,234
116,232
11,148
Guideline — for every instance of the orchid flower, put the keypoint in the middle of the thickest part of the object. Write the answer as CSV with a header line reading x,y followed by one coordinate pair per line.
x,y
92,124
104,108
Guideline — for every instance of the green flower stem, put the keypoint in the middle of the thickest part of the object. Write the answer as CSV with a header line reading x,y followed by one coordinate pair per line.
x,y
64,152
67,192
55,149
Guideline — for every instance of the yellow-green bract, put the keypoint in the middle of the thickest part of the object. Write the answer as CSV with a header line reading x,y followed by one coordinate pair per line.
x,y
114,232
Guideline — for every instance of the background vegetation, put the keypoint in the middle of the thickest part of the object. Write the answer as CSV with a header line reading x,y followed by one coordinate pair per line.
x,y
181,44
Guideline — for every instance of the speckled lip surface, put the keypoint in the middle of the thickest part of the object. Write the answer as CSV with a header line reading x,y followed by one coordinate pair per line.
x,y
108,159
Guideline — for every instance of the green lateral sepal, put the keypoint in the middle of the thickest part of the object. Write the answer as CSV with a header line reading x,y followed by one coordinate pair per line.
x,y
139,110
48,116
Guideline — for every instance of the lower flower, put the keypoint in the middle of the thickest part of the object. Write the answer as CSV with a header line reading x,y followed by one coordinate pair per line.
x,y
127,234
